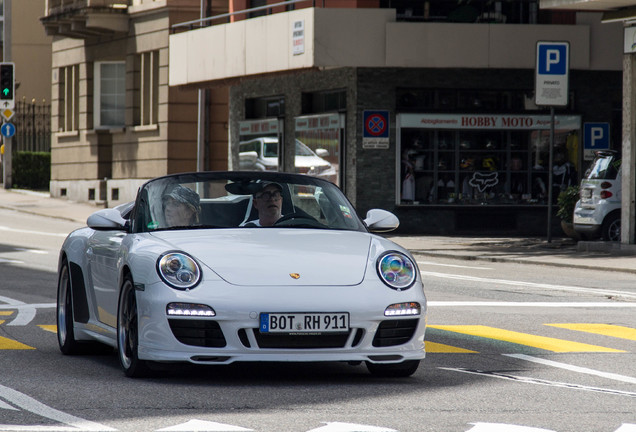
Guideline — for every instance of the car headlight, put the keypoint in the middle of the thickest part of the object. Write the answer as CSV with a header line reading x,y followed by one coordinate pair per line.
x,y
179,270
396,270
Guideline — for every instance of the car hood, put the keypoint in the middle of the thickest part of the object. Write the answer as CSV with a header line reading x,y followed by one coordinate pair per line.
x,y
299,161
272,256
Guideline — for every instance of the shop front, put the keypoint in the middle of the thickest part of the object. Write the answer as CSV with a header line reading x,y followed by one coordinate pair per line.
x,y
477,170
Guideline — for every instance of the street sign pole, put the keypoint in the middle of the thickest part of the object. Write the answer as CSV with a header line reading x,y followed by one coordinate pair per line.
x,y
6,57
550,174
552,89
7,165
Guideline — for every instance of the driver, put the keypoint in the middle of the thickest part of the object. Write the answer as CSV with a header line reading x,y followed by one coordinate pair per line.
x,y
268,202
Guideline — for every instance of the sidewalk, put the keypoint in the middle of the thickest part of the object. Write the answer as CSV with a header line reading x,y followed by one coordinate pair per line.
x,y
562,252
40,203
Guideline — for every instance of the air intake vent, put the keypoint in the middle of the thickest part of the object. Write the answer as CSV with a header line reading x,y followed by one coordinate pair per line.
x,y
203,333
395,332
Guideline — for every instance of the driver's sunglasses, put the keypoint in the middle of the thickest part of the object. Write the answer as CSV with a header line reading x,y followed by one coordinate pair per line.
x,y
268,195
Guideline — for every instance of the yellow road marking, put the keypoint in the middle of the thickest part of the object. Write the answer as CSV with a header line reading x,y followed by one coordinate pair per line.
x,y
9,344
546,343
50,327
438,348
6,312
601,329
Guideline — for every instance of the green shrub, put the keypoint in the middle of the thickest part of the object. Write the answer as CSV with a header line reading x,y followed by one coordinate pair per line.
x,y
567,201
31,170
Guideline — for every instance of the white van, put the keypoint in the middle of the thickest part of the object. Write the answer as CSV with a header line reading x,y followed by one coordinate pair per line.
x,y
598,211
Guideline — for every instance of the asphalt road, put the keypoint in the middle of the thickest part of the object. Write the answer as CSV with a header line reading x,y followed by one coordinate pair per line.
x,y
511,347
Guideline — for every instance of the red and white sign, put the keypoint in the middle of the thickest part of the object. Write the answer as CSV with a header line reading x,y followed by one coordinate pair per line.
x,y
298,38
258,127
318,122
487,121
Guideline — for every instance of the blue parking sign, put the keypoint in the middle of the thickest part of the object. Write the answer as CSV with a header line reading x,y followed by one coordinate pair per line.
x,y
596,136
552,74
552,59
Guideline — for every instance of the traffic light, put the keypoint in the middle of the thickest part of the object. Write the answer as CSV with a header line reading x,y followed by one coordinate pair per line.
x,y
7,81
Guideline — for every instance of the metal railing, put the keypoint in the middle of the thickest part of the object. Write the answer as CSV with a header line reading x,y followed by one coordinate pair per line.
x,y
57,6
32,127
205,22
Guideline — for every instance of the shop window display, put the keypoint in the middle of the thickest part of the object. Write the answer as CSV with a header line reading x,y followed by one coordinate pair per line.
x,y
480,163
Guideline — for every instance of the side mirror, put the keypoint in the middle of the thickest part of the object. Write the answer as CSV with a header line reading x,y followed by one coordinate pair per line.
x,y
381,220
107,219
321,152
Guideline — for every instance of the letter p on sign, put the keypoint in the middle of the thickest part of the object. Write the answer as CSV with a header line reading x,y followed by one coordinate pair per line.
x,y
553,59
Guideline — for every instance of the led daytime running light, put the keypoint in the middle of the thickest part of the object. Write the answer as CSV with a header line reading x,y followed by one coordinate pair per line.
x,y
189,309
403,309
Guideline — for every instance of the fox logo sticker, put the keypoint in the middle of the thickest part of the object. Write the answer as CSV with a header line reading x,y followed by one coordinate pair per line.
x,y
483,181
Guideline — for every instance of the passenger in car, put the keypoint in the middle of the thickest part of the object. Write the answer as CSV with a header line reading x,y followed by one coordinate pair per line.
x,y
181,207
268,202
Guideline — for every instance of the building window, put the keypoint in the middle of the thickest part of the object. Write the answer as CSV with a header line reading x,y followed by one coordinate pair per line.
x,y
110,94
259,108
255,4
68,98
326,101
474,11
146,88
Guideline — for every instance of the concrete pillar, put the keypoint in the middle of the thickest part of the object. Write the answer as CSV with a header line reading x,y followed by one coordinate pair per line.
x,y
628,197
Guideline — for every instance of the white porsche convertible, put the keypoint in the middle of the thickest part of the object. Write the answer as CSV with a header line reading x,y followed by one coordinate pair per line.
x,y
217,267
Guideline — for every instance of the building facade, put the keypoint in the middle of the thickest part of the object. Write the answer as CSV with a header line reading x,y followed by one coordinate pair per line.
x,y
30,49
26,45
426,109
116,122
427,112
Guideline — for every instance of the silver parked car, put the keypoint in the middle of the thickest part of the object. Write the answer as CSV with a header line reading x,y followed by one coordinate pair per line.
x,y
261,154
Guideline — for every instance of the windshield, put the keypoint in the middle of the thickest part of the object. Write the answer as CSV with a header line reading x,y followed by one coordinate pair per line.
x,y
604,167
303,150
238,199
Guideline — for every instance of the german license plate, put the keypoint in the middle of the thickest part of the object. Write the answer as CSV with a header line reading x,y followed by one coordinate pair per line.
x,y
337,322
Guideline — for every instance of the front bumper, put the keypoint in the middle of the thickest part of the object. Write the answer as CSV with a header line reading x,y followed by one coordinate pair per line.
x,y
233,334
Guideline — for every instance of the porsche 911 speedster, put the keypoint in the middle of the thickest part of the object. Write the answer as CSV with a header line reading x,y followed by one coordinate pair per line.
x,y
194,271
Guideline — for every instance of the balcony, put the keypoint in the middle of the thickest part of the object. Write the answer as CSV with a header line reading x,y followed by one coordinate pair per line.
x,y
83,19
374,38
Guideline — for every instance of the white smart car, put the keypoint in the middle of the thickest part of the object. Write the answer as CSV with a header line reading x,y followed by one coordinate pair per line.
x,y
598,212
178,276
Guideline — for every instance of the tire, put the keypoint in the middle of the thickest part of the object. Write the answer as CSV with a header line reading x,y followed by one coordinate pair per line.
x,y
611,230
128,332
65,331
394,370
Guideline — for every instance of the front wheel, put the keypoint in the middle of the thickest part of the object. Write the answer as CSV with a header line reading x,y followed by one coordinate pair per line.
x,y
394,370
128,332
65,331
